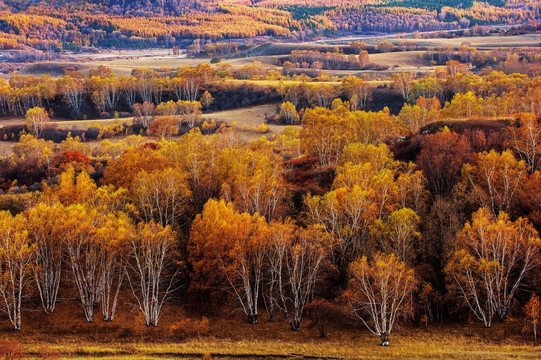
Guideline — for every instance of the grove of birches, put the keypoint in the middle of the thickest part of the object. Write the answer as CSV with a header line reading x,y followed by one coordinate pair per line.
x,y
356,212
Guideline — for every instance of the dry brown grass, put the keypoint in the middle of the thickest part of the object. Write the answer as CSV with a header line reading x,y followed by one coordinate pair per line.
x,y
67,333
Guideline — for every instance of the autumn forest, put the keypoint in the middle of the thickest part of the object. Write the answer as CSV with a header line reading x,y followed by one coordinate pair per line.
x,y
270,179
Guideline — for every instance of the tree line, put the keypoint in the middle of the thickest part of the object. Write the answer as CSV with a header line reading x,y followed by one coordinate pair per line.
x,y
452,225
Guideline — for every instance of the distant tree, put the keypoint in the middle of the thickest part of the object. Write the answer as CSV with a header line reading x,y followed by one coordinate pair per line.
x,y
455,67
36,120
144,113
163,128
206,99
190,112
358,91
169,108
402,83
364,59
288,114
73,91
358,46
385,46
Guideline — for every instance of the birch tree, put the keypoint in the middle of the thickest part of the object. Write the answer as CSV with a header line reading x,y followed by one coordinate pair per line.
x,y
227,247
494,180
296,257
83,250
493,256
378,291
16,257
113,235
162,196
526,141
36,120
151,269
402,83
43,227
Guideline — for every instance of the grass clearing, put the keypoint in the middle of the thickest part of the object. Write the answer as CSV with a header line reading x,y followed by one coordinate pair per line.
x,y
355,345
66,333
245,118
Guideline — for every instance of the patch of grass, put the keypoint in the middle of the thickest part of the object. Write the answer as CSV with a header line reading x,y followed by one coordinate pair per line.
x,y
66,333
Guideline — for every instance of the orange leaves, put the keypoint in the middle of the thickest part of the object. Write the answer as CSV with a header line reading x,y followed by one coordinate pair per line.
x,y
222,239
325,132
533,312
227,249
122,172
163,128
288,114
368,186
442,158
253,181
526,141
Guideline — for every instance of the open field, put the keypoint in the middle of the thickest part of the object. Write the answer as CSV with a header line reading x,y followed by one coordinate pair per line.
x,y
245,118
227,335
482,42
66,333
230,337
493,41
364,347
251,116
123,62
